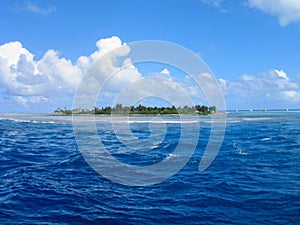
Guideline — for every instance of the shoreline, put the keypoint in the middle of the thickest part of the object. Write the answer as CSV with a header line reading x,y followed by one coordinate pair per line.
x,y
176,115
135,115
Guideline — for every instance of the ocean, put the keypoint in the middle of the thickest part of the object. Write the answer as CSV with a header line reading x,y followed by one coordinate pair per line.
x,y
254,179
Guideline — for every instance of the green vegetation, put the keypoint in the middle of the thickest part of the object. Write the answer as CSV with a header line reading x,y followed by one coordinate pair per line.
x,y
140,109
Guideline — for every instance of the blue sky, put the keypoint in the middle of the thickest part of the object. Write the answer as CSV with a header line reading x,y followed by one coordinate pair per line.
x,y
252,46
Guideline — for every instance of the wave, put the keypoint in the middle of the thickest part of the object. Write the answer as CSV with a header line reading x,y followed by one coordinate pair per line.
x,y
266,139
238,149
234,121
162,122
170,155
45,179
50,119
29,121
251,119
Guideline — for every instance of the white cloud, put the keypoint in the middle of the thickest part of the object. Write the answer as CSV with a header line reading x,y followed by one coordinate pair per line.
x,y
216,4
287,11
11,52
31,81
21,100
282,74
25,100
269,89
154,86
29,6
63,75
108,44
165,71
54,79
21,75
292,95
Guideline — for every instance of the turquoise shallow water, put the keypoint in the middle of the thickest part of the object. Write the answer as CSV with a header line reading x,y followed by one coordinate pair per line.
x,y
255,179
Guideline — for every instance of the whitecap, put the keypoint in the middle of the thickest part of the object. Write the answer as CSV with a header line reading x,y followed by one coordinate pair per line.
x,y
20,120
266,139
233,121
239,149
163,122
170,155
255,118
240,152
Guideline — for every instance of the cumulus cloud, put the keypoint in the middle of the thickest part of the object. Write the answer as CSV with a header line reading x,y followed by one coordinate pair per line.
x,y
29,81
269,89
287,11
165,72
21,75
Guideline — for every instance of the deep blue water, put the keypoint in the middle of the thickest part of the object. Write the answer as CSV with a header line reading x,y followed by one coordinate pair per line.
x,y
255,178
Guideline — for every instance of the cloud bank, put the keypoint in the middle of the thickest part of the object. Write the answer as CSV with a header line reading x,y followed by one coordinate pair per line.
x,y
52,81
271,89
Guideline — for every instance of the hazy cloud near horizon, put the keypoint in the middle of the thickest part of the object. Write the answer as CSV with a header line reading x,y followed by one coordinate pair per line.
x,y
53,80
271,89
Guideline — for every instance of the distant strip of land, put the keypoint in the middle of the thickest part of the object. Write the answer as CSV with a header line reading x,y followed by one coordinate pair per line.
x,y
140,110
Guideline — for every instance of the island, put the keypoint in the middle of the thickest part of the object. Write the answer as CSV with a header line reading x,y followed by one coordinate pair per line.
x,y
139,110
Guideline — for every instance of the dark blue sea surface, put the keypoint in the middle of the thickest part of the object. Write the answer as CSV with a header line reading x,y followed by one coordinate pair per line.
x,y
255,178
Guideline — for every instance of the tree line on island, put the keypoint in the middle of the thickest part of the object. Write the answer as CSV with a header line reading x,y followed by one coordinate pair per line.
x,y
141,109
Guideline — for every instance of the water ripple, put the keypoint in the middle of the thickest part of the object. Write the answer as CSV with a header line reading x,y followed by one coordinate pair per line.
x,y
254,179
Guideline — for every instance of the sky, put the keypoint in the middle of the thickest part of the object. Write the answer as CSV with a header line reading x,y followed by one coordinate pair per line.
x,y
251,46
